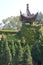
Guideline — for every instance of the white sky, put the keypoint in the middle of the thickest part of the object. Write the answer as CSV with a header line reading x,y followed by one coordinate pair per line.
x,y
12,7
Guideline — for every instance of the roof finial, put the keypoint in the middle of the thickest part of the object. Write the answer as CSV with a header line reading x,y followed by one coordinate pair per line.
x,y
27,10
27,6
20,12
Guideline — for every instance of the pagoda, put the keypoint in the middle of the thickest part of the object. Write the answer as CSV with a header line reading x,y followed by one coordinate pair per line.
x,y
28,18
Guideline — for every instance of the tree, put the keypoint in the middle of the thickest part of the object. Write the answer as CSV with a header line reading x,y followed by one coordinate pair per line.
x,y
36,53
40,17
27,59
11,23
19,55
1,53
41,52
7,58
13,52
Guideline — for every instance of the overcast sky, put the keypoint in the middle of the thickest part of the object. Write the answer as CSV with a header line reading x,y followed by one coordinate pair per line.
x,y
12,7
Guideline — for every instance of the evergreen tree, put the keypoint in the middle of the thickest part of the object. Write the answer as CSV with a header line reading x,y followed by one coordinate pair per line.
x,y
41,51
19,54
23,41
1,53
13,52
27,59
7,58
36,53
16,53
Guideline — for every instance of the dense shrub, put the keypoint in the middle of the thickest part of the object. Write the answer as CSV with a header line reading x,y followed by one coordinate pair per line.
x,y
17,49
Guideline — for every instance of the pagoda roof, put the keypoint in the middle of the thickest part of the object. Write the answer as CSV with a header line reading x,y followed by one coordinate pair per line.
x,y
29,17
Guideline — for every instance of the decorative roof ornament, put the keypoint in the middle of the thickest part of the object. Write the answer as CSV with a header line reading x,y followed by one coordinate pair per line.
x,y
29,18
27,10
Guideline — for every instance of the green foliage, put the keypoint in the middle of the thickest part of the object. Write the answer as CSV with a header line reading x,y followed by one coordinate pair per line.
x,y
40,17
1,52
41,52
30,33
13,52
36,52
16,49
19,53
11,23
6,58
27,59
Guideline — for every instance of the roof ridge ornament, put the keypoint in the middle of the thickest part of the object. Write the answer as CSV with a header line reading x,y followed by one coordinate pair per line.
x,y
29,18
27,10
